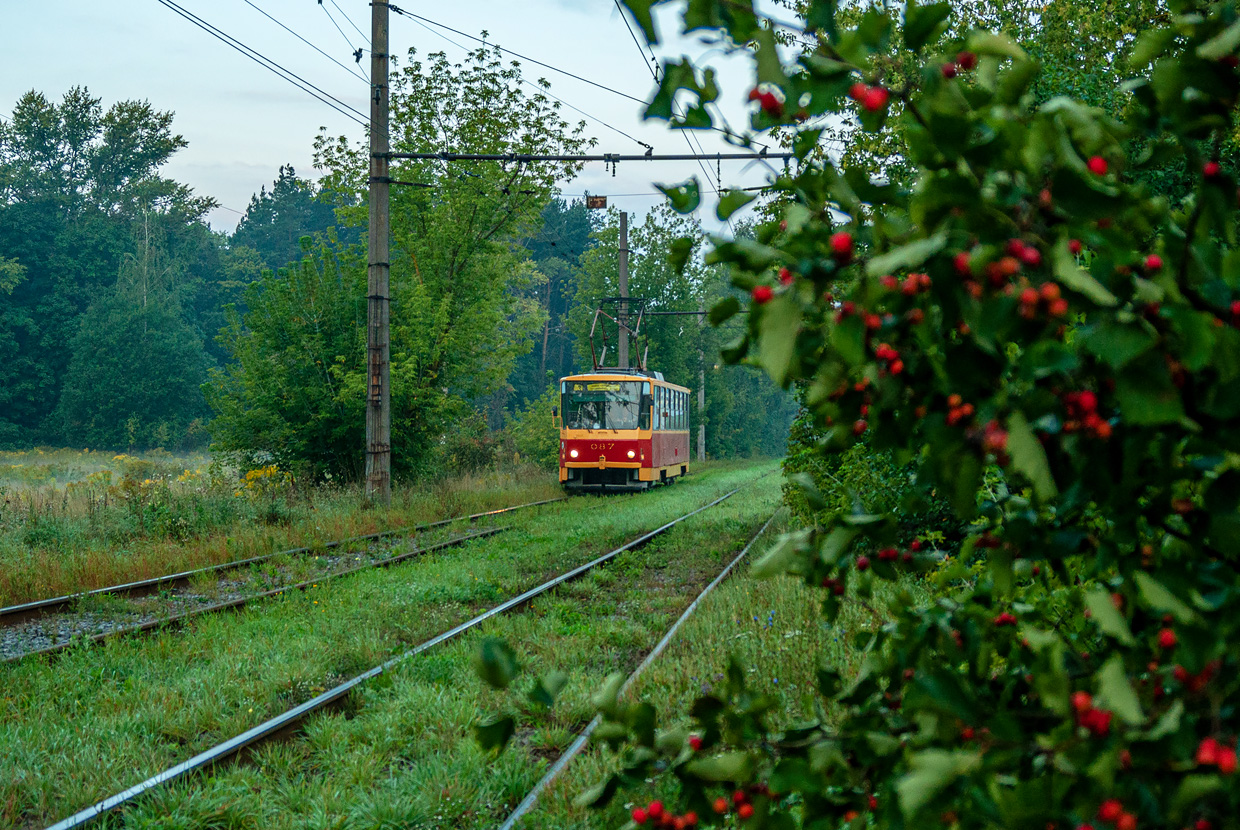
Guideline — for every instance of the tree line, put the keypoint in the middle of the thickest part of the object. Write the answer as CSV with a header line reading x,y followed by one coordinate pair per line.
x,y
127,322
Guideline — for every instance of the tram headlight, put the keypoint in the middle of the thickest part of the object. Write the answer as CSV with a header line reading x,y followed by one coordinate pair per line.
x,y
632,454
572,453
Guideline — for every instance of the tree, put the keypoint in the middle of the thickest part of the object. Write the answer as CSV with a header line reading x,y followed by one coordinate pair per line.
x,y
1032,312
136,364
462,307
73,179
275,221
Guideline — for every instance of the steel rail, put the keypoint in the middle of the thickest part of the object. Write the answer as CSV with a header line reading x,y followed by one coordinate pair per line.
x,y
15,614
580,741
241,602
282,723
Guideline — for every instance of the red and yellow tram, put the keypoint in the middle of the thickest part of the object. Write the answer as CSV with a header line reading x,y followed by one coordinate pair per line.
x,y
622,430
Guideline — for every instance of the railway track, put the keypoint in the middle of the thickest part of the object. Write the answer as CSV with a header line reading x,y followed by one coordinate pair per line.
x,y
49,626
579,743
288,721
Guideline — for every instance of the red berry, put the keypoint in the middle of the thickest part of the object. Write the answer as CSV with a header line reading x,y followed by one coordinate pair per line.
x,y
873,803
785,276
966,60
1153,262
1126,821
1074,246
721,805
857,91
695,742
762,294
1211,169
1029,296
1166,638
863,563
967,733
896,367
948,70
875,99
1082,701
1110,810
915,545
1098,165
842,245
888,281
1031,256
859,426
655,810
1226,760
771,104
962,264
639,815
745,811
1203,824
1058,308
691,819
1207,751
755,94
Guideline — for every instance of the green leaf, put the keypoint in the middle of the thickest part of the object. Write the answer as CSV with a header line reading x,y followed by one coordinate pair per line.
x,y
607,699
1029,458
906,256
1117,343
735,767
1070,274
681,250
1115,691
640,9
770,68
723,310
731,201
1161,600
1168,724
546,688
777,329
685,197
821,15
933,771
1001,46
1149,45
776,561
923,22
1108,617
1148,398
1222,44
600,794
494,734
496,663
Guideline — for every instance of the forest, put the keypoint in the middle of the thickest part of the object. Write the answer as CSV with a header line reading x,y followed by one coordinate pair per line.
x,y
128,323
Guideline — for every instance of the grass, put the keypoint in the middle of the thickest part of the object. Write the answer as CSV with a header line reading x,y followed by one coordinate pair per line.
x,y
401,752
145,517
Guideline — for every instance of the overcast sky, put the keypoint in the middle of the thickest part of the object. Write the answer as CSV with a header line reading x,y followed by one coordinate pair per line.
x,y
242,121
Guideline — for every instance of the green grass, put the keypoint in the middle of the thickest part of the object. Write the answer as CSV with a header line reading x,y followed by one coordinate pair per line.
x,y
141,519
401,752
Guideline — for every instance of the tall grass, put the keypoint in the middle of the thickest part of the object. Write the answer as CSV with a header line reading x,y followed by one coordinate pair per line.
x,y
72,521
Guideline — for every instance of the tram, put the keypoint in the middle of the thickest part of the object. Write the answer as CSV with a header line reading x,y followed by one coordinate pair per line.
x,y
622,429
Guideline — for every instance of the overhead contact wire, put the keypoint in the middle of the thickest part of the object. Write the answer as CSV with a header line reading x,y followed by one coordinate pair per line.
x,y
351,70
267,63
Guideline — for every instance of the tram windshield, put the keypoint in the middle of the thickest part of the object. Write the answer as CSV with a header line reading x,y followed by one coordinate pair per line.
x,y
602,404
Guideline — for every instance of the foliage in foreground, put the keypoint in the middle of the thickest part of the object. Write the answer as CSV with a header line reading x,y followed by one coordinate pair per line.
x,y
1028,304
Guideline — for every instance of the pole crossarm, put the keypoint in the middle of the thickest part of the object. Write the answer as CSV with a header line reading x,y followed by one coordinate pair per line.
x,y
610,158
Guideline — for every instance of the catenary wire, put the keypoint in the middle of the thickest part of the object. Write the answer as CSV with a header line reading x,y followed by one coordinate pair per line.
x,y
418,20
267,63
426,20
327,12
343,14
350,70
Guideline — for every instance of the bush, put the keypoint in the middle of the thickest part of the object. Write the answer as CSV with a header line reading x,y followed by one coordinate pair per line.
x,y
1080,413
532,434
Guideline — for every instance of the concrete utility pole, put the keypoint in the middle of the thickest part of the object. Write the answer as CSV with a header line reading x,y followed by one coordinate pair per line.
x,y
624,289
378,271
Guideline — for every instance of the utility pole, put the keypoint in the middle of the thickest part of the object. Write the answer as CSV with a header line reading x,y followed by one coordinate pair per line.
x,y
378,272
701,442
624,290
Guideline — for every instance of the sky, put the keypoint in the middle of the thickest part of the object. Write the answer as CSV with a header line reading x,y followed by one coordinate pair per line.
x,y
242,122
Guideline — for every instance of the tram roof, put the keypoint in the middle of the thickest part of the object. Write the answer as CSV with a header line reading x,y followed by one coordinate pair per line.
x,y
625,374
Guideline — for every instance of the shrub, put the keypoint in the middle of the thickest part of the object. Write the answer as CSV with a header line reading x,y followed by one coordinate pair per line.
x,y
1083,672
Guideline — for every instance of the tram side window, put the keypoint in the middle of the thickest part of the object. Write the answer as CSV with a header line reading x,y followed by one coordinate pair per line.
x,y
680,410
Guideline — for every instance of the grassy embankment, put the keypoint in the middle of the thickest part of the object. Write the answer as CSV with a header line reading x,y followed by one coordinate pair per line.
x,y
71,521
402,754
